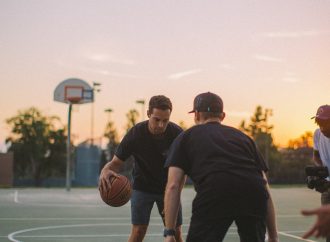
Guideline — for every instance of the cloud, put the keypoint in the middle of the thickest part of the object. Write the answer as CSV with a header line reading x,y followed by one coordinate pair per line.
x,y
108,73
179,75
295,34
291,78
268,58
95,70
115,74
227,67
108,58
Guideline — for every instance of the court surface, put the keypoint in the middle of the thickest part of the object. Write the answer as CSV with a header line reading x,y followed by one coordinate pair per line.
x,y
80,215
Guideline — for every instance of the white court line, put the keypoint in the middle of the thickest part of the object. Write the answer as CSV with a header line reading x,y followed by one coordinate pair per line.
x,y
18,233
82,218
126,235
103,218
16,196
289,216
16,200
295,237
14,234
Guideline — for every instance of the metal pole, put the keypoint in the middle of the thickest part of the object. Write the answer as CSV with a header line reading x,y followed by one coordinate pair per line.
x,y
95,84
68,151
92,124
109,110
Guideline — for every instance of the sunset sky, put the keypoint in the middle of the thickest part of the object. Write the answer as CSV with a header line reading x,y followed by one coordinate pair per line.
x,y
251,52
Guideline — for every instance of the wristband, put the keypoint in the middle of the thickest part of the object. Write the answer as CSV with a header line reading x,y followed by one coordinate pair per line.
x,y
169,232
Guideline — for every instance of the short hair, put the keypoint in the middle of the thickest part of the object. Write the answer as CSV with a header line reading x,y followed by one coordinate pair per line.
x,y
208,115
160,102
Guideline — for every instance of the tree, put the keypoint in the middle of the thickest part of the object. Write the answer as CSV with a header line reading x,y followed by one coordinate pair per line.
x,y
183,125
132,117
111,134
304,141
260,130
38,147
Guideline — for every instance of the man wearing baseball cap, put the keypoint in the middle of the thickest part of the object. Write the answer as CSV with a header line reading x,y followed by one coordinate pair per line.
x,y
321,157
228,173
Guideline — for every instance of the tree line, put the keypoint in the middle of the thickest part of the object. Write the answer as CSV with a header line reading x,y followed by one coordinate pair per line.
x,y
38,143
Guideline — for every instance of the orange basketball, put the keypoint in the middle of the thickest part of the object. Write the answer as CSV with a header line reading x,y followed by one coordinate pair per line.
x,y
118,193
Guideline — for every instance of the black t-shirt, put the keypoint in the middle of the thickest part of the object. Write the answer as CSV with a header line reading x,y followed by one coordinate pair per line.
x,y
149,152
226,168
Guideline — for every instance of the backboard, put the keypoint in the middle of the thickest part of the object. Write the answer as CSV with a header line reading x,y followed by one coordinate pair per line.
x,y
74,91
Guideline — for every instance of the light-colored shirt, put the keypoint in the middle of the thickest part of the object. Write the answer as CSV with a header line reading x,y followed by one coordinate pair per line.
x,y
322,145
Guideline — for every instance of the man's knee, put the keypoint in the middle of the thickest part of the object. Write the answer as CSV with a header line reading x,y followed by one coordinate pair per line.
x,y
138,232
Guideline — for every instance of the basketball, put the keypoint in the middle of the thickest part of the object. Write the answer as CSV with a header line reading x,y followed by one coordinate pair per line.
x,y
118,193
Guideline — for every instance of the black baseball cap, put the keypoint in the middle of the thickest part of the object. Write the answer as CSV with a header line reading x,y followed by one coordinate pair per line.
x,y
208,102
323,113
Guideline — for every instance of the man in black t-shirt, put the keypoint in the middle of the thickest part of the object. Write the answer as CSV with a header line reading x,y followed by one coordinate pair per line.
x,y
228,173
148,142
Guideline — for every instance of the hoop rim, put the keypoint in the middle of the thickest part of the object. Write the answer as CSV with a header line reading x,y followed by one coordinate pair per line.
x,y
74,99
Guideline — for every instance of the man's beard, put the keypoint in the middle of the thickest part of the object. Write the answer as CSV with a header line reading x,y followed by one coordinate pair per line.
x,y
326,134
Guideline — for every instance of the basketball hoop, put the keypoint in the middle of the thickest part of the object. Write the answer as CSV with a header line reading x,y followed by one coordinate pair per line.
x,y
73,100
72,91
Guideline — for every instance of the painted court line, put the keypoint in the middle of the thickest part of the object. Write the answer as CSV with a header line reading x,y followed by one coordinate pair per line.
x,y
18,234
74,204
80,218
295,237
12,235
16,196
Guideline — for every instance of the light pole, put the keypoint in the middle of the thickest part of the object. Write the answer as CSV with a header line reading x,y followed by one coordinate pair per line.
x,y
109,111
110,145
96,88
142,102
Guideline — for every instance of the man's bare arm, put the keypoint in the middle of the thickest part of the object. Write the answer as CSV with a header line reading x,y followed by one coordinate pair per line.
x,y
271,217
317,158
176,179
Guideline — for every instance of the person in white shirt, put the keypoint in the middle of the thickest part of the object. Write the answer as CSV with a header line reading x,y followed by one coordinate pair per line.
x,y
321,157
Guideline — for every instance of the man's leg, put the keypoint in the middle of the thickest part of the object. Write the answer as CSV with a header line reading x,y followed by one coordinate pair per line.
x,y
251,229
137,233
325,199
208,230
141,206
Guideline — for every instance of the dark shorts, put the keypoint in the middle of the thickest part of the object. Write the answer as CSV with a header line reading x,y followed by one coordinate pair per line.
x,y
142,204
249,228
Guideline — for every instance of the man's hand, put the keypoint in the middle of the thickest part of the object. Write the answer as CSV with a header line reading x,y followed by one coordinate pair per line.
x,y
321,227
105,179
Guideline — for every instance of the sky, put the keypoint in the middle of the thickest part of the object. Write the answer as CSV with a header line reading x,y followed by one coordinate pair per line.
x,y
250,52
